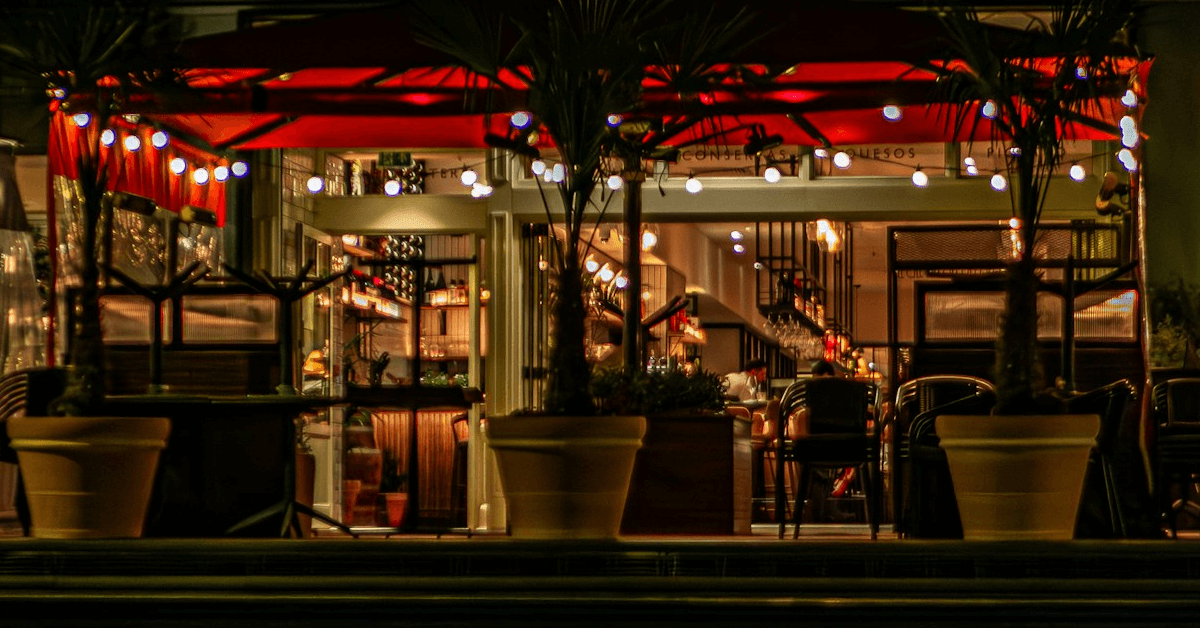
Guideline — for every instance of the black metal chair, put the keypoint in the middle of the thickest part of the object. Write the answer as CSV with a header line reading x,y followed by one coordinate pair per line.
x,y
1104,514
912,398
1177,446
840,434
930,507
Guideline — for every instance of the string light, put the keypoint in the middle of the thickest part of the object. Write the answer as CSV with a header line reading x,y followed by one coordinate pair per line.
x,y
132,143
1130,99
892,113
520,119
481,190
693,185
391,187
649,239
315,184
81,120
1128,161
1076,172
469,177
621,282
972,169
820,153
239,169
999,182
1129,132
920,179
200,176
988,110
558,174
736,235
591,265
538,167
221,173
606,273
160,139
178,166
772,174
614,120
842,159
107,137
615,182
739,248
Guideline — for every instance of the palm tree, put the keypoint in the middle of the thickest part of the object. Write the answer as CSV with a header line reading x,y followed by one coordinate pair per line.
x,y
88,57
1035,88
572,64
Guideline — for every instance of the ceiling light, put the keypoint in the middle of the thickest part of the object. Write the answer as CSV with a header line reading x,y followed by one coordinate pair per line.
x,y
999,182
132,143
920,179
200,176
160,139
772,174
693,185
239,169
892,112
315,184
842,159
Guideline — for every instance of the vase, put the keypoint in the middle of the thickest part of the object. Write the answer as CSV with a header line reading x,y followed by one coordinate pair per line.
x,y
565,477
1018,477
88,477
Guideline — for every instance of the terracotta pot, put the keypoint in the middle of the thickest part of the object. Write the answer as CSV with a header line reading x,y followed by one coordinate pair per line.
x,y
565,477
395,508
1018,477
88,476
350,490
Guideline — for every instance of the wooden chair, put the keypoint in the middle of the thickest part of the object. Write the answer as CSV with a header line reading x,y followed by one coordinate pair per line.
x,y
839,435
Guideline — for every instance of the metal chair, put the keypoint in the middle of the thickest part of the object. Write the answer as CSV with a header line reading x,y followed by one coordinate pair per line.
x,y
913,398
839,417
1177,446
1110,402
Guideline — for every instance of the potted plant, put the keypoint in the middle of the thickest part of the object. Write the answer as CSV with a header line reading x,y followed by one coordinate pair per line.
x,y
579,66
1031,91
393,497
86,57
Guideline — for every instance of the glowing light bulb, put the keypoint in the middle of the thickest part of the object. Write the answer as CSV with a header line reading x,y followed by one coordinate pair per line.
x,y
1081,72
736,235
614,120
739,248
842,159
920,179
820,153
621,282
1130,99
160,139
999,182
538,167
892,112
758,266
1014,151
972,170
968,161
607,274
615,182
649,239
81,119
591,265
178,165
107,137
543,264
200,176
391,187
315,184
520,119
1014,223
1077,172
239,169
221,173
772,174
132,143
1128,161
559,173
481,190
469,177
988,110
693,185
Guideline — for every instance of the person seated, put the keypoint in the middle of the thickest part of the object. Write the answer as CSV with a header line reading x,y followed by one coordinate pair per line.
x,y
747,384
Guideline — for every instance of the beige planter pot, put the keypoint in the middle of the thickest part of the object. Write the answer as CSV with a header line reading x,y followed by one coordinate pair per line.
x,y
1018,477
88,476
565,477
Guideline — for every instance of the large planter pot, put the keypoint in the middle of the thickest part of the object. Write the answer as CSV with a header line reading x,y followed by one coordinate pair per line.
x,y
1018,477
565,477
88,476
